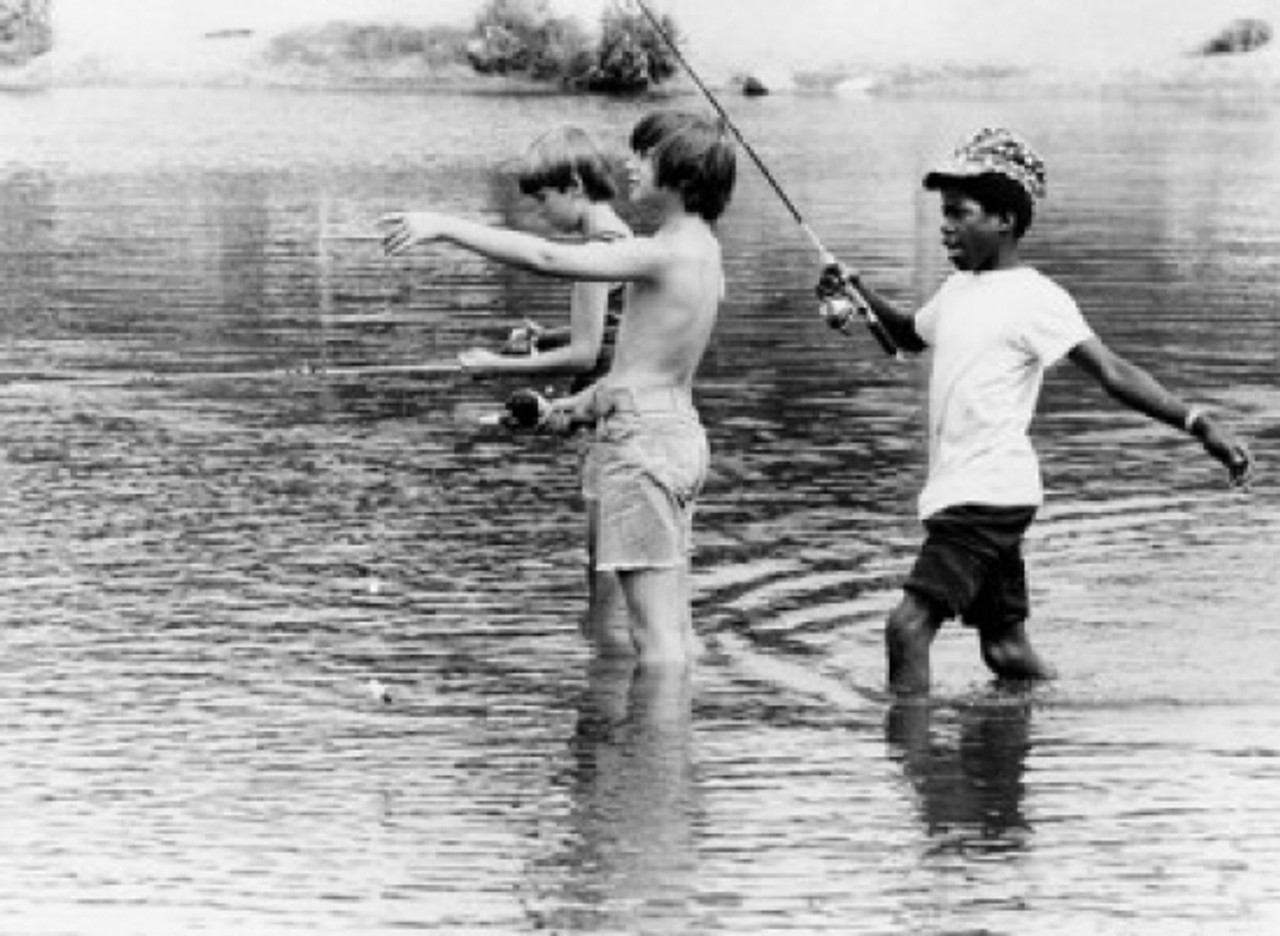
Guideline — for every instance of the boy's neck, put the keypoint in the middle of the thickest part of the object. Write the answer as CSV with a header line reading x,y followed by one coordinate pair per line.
x,y
1006,258
674,217
669,207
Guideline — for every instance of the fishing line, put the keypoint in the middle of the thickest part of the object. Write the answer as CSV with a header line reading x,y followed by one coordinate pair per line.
x,y
159,379
733,128
860,302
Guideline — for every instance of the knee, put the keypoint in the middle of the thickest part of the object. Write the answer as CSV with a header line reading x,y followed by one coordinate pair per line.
x,y
997,655
910,625
1002,647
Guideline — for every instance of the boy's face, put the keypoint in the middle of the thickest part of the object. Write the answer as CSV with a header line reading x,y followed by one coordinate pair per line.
x,y
972,236
559,207
640,176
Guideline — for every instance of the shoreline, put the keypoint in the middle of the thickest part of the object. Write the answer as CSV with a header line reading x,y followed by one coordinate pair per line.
x,y
1256,75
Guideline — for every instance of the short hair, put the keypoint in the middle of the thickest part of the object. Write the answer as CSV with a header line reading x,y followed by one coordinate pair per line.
x,y
563,157
692,155
996,193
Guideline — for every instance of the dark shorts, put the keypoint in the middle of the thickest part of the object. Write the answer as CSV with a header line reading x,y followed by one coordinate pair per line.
x,y
970,565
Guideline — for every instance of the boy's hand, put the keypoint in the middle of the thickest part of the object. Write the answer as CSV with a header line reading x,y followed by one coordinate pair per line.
x,y
405,229
529,409
566,413
478,360
523,338
834,280
1226,448
557,421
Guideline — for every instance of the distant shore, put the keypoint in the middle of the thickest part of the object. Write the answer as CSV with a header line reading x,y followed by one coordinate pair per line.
x,y
244,64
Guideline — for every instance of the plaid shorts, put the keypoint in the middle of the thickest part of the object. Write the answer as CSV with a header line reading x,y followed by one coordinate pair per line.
x,y
970,565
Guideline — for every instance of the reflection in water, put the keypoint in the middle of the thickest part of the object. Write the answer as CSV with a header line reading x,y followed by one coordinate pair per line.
x,y
633,804
27,256
966,765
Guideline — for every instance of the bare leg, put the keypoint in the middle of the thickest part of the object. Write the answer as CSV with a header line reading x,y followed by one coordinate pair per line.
x,y
692,642
908,635
606,625
659,614
1010,656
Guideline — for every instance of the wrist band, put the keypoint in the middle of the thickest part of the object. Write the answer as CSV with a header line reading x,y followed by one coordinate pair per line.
x,y
1194,415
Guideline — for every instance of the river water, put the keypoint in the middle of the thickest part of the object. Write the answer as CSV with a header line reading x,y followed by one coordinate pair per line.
x,y
201,577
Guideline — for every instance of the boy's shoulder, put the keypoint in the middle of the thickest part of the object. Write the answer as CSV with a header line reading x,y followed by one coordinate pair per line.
x,y
1030,282
693,230
1014,294
1051,290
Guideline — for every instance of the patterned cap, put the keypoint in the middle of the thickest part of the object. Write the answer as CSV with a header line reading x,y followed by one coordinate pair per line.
x,y
997,151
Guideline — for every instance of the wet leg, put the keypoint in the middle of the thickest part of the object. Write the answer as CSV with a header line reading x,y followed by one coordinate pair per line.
x,y
606,625
908,635
659,614
692,642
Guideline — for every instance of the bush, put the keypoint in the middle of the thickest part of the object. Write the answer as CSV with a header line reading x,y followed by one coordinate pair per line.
x,y
525,37
363,44
25,30
509,37
1242,35
632,56
564,52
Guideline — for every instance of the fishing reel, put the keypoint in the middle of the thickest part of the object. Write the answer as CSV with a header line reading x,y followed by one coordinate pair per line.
x,y
838,312
527,409
530,411
841,302
836,291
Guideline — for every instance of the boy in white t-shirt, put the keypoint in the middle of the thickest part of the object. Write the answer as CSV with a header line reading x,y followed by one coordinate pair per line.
x,y
995,327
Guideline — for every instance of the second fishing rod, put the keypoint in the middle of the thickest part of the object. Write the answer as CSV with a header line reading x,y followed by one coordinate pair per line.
x,y
837,311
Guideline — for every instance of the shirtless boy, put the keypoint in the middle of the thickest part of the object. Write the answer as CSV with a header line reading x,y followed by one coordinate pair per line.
x,y
649,458
573,182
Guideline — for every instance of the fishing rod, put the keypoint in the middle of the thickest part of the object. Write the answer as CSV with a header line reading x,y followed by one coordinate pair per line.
x,y
836,313
160,378
352,236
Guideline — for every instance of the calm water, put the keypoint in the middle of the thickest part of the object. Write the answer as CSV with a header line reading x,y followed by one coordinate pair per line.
x,y
200,578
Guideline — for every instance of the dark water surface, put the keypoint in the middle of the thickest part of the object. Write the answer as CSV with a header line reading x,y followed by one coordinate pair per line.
x,y
201,577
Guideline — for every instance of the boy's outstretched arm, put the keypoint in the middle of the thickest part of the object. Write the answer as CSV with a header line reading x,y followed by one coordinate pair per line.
x,y
632,258
900,325
1133,386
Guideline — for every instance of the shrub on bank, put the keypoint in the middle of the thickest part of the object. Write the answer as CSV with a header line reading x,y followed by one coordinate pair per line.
x,y
632,56
337,44
523,37
513,38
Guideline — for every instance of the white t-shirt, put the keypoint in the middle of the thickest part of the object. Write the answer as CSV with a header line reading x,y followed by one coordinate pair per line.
x,y
993,334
